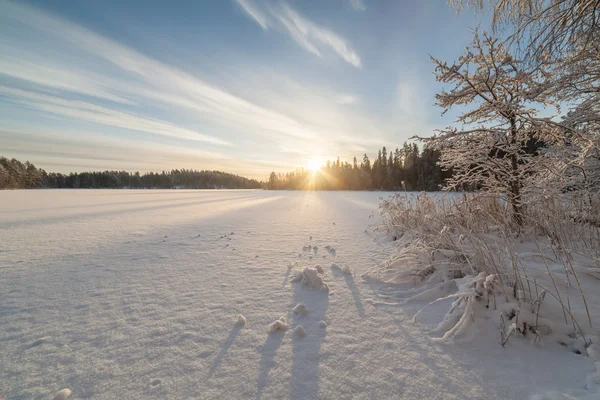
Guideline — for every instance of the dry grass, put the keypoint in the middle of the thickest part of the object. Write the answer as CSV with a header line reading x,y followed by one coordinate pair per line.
x,y
448,238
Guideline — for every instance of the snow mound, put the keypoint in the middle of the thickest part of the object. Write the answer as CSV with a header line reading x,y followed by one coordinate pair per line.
x,y
279,324
62,395
322,324
300,309
311,276
241,320
299,331
345,269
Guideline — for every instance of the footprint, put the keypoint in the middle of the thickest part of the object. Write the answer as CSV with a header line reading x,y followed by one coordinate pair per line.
x,y
205,354
39,341
155,382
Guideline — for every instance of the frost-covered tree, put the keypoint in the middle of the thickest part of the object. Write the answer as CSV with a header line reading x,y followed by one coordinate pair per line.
x,y
501,100
565,33
558,27
571,167
565,36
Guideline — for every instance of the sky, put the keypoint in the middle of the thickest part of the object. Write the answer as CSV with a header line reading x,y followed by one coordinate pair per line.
x,y
244,86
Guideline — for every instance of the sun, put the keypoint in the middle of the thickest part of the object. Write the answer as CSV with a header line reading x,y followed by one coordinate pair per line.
x,y
314,164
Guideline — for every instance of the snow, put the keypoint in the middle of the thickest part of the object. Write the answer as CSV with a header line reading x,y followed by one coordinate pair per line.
x,y
300,309
241,320
39,341
311,276
135,293
345,268
278,324
63,395
299,331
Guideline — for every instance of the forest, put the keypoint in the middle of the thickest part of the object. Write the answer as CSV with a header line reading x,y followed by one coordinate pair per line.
x,y
405,168
17,175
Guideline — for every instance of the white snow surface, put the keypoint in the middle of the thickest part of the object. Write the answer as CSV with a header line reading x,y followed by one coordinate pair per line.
x,y
133,294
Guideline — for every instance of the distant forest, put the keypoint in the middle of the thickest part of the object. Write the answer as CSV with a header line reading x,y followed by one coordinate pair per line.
x,y
406,168
17,175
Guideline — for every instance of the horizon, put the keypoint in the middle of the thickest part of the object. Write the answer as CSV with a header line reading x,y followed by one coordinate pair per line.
x,y
316,169
241,86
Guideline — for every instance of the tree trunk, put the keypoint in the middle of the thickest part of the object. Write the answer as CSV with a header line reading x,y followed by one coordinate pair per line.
x,y
515,184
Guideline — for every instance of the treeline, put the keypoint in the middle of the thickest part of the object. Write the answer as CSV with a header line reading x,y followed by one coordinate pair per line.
x,y
405,168
17,175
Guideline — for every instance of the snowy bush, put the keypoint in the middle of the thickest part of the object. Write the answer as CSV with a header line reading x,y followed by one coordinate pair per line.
x,y
469,249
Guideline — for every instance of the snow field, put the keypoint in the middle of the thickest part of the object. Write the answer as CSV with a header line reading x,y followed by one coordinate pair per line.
x,y
135,295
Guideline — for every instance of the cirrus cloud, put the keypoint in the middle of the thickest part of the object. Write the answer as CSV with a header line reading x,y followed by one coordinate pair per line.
x,y
310,36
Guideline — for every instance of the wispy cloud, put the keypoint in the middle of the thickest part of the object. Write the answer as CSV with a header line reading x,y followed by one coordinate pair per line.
x,y
140,76
254,13
66,151
410,99
85,111
55,74
310,36
358,5
347,99
40,72
405,98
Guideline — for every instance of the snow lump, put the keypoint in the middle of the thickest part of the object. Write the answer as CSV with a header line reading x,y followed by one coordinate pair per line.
x,y
299,331
62,395
279,324
300,309
311,276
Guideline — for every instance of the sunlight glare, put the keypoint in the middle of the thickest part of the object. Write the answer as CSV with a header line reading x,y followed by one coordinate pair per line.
x,y
314,164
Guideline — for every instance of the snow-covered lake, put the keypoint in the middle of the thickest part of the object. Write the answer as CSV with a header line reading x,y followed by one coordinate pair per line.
x,y
135,295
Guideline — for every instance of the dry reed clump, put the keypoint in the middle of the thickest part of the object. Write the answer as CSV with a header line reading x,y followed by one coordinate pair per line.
x,y
470,241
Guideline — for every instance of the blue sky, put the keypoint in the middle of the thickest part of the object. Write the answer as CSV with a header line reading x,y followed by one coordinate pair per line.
x,y
246,86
